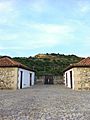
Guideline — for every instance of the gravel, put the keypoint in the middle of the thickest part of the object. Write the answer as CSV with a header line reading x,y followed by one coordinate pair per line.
x,y
44,102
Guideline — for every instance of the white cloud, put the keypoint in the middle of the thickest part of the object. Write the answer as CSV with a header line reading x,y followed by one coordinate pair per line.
x,y
40,41
6,6
1,48
8,12
38,5
4,48
53,28
28,44
8,37
86,42
46,40
45,35
84,6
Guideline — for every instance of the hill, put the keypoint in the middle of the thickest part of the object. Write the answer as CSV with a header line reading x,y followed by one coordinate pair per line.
x,y
49,63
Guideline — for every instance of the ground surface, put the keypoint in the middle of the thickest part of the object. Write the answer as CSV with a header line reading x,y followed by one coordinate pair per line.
x,y
44,103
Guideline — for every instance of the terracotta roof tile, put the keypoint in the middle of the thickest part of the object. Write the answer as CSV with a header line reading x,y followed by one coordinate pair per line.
x,y
83,63
9,62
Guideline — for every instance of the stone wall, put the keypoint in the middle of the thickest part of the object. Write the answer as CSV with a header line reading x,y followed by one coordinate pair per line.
x,y
8,78
57,80
82,78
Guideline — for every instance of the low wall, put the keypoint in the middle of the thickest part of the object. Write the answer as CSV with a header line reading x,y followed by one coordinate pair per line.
x,y
57,80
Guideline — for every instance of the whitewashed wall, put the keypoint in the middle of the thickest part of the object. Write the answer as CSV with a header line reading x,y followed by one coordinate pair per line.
x,y
25,78
68,78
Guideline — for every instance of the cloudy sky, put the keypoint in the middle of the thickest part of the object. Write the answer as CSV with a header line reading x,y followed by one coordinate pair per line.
x,y
29,27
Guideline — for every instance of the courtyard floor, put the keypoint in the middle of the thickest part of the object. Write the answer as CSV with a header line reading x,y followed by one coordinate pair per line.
x,y
44,102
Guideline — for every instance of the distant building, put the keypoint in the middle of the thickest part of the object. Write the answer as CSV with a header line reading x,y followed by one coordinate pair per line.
x,y
14,75
77,76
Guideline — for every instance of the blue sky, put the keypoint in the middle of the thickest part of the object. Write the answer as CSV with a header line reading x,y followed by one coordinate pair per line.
x,y
29,27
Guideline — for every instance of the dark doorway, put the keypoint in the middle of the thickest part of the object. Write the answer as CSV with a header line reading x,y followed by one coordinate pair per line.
x,y
48,79
30,79
71,79
21,76
66,80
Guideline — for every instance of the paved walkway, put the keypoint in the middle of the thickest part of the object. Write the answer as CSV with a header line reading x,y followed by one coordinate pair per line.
x,y
49,102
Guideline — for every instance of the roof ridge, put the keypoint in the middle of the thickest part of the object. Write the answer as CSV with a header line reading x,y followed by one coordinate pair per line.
x,y
83,63
11,60
6,61
83,60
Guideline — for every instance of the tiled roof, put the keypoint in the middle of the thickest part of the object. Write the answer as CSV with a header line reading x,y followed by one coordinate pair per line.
x,y
6,61
83,63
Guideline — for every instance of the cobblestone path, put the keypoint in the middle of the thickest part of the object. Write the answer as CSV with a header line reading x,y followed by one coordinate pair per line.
x,y
49,102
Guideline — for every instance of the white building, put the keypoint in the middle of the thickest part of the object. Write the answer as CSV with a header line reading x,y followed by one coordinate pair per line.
x,y
77,76
14,75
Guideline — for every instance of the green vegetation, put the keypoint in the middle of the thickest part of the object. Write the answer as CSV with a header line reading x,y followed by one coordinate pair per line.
x,y
49,63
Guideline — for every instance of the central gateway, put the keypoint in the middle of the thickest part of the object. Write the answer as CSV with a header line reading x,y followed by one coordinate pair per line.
x,y
48,79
